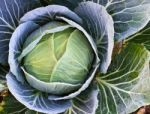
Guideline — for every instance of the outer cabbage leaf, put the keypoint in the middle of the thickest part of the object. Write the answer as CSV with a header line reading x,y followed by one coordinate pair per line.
x,y
125,88
100,27
85,103
49,13
10,13
129,16
9,105
33,99
16,45
72,4
141,37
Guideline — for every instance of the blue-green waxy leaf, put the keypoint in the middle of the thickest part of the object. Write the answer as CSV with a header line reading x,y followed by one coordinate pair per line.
x,y
141,37
72,4
16,45
85,103
129,16
125,87
10,13
49,13
68,3
33,99
100,27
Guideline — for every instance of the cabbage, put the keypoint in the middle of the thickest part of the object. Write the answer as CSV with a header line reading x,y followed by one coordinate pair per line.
x,y
58,58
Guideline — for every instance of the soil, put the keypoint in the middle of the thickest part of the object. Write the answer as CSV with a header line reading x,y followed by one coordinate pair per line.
x,y
143,110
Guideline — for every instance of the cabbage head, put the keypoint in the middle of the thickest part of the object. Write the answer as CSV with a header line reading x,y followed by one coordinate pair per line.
x,y
60,59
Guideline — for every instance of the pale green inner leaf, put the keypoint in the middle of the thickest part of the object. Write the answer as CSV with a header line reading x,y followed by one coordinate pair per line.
x,y
42,59
76,61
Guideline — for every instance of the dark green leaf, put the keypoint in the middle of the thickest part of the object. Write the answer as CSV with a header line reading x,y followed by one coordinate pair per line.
x,y
10,105
125,87
142,37
2,86
3,71
32,112
45,2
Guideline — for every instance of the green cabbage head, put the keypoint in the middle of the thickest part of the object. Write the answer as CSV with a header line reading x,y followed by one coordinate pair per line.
x,y
60,57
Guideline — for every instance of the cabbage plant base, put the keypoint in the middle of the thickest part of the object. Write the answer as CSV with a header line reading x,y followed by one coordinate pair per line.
x,y
60,57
